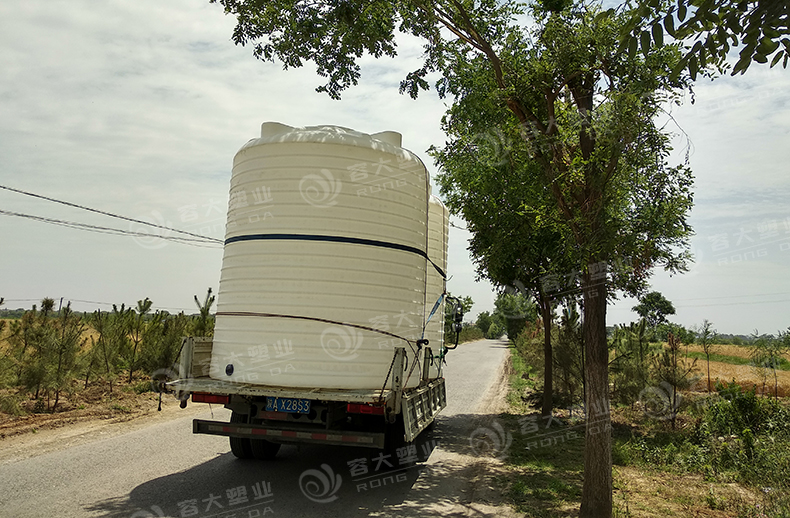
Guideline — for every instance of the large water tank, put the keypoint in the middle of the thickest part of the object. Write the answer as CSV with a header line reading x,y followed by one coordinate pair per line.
x,y
325,266
438,226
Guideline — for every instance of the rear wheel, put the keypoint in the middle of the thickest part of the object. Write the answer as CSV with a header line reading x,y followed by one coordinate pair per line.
x,y
393,440
240,447
263,449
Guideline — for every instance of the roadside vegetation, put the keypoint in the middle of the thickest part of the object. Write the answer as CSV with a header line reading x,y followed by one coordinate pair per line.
x,y
53,359
680,446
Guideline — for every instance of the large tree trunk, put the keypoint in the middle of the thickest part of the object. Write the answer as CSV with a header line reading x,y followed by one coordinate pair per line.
x,y
548,360
597,489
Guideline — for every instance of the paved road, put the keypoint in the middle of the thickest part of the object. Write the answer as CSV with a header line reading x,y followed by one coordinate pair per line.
x,y
165,470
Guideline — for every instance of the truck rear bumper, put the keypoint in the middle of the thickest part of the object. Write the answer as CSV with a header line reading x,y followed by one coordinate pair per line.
x,y
288,435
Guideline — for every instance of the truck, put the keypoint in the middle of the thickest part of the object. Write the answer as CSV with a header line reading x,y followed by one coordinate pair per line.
x,y
330,321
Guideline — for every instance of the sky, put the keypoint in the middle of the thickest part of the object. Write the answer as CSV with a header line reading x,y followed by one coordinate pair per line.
x,y
137,108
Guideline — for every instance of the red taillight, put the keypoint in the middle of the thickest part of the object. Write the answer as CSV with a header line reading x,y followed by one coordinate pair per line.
x,y
203,397
362,408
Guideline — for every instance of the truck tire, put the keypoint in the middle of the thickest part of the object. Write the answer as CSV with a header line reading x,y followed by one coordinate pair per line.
x,y
263,449
240,447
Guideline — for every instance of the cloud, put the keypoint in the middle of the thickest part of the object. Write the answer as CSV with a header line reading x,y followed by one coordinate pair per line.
x,y
139,107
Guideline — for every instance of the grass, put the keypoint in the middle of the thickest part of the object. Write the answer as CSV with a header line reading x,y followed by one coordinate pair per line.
x,y
728,457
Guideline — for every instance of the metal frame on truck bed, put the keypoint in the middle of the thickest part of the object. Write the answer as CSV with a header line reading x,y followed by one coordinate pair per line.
x,y
263,416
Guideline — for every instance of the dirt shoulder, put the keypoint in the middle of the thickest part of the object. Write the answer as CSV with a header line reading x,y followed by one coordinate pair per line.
x,y
31,435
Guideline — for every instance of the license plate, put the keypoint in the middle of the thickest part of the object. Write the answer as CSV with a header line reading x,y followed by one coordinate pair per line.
x,y
288,404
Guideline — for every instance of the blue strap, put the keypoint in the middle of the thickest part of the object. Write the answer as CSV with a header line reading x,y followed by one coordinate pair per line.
x,y
435,307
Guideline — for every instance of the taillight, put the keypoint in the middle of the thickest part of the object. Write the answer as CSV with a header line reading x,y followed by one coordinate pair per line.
x,y
362,408
203,397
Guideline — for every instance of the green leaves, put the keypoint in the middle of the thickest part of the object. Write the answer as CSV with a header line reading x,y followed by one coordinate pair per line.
x,y
644,39
658,34
758,26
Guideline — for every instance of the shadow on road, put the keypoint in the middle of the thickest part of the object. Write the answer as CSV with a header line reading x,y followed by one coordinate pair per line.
x,y
318,481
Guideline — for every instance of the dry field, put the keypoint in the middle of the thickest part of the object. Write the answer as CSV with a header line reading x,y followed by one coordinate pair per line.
x,y
745,375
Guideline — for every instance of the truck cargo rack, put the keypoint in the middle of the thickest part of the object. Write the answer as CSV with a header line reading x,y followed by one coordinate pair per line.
x,y
210,385
421,405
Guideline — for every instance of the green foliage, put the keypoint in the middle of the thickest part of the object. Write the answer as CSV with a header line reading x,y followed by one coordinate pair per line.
x,y
710,29
568,359
45,351
674,372
514,310
737,436
470,333
631,360
495,331
203,325
768,355
654,308
663,331
529,346
706,336
484,322
68,346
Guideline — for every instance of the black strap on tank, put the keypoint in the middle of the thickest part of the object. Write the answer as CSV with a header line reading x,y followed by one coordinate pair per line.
x,y
336,239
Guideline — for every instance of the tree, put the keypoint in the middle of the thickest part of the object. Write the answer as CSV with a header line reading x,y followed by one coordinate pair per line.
x,y
138,325
68,346
767,355
584,115
569,353
484,322
672,371
630,365
515,246
583,112
705,338
713,27
204,325
654,308
2,322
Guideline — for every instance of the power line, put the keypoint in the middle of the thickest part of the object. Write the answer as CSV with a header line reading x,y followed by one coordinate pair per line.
x,y
110,214
202,241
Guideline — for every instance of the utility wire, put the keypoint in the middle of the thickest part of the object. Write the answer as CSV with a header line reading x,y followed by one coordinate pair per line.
x,y
118,216
202,241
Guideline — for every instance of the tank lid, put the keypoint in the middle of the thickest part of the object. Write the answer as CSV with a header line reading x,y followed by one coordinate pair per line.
x,y
272,129
390,137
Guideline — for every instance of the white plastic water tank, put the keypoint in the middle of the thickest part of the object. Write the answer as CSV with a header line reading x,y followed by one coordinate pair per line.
x,y
325,259
438,228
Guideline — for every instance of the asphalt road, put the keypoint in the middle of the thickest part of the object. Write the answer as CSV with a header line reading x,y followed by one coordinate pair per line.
x,y
164,470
